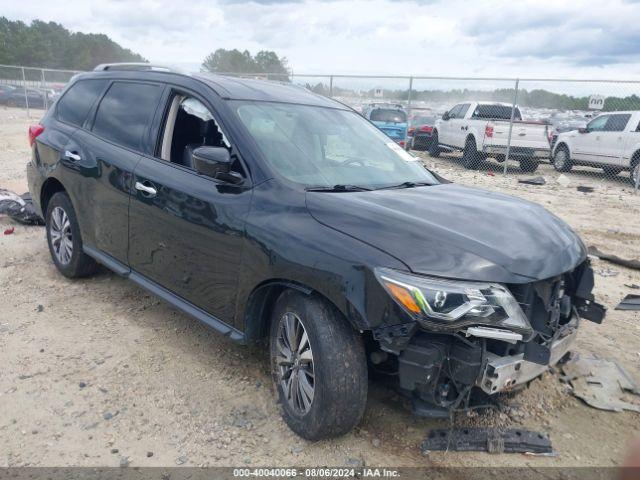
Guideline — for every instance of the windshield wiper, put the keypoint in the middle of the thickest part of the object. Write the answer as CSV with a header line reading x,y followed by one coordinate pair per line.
x,y
406,185
338,188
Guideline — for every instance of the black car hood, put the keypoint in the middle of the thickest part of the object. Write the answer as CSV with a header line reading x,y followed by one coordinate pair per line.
x,y
454,231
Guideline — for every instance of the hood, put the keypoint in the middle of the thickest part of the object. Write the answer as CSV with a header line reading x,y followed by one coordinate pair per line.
x,y
454,231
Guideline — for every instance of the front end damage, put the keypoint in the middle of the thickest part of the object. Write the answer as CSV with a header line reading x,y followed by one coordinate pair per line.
x,y
444,368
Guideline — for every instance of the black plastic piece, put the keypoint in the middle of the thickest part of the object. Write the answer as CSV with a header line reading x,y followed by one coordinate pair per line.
x,y
630,302
592,311
420,364
427,410
536,353
487,439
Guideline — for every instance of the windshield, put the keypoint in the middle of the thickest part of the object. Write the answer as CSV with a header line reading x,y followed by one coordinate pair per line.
x,y
498,112
423,120
323,147
388,115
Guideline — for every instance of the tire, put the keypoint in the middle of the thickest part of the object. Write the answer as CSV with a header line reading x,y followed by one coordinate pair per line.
x,y
529,165
63,237
470,156
408,145
611,171
434,146
338,367
634,174
562,159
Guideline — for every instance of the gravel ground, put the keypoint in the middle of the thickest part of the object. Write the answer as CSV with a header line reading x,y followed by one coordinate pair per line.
x,y
99,373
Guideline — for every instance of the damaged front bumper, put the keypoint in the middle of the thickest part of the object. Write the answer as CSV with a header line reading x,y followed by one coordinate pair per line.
x,y
507,373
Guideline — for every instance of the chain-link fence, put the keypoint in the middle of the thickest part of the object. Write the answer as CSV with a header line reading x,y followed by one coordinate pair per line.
x,y
31,88
568,130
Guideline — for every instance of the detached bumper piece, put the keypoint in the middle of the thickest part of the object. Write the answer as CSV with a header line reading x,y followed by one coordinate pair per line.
x,y
487,440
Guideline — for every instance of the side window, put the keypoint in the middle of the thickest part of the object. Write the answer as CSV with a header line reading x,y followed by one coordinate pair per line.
x,y
74,106
453,113
617,123
189,125
125,112
598,123
463,110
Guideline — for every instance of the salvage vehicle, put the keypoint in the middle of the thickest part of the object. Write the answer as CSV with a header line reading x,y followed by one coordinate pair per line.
x,y
270,213
610,141
420,131
481,130
390,118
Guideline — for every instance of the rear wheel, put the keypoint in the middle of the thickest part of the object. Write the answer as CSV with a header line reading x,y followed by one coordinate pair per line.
x,y
635,173
434,146
318,366
470,156
562,160
63,237
528,165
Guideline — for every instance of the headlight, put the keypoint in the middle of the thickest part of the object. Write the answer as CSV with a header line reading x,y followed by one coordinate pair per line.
x,y
454,304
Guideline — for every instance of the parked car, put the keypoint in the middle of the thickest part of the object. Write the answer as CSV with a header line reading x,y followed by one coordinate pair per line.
x,y
610,141
481,129
271,213
565,125
34,97
419,133
5,92
390,118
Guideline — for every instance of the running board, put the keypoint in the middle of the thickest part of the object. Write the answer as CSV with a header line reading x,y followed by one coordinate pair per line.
x,y
168,296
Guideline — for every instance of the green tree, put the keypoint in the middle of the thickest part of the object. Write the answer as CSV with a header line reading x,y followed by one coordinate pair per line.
x,y
50,45
237,62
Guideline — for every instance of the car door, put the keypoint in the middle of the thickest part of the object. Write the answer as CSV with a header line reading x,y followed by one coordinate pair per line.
x,y
610,142
445,132
460,126
107,154
585,145
186,229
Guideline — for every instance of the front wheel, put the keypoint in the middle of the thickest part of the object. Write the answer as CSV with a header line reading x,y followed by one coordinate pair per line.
x,y
318,366
562,160
434,146
635,174
470,155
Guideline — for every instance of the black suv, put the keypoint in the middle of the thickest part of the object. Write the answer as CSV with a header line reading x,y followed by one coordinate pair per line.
x,y
271,213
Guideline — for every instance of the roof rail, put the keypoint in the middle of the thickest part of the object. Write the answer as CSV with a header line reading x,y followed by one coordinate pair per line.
x,y
140,66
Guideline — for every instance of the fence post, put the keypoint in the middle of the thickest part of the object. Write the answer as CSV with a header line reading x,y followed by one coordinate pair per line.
x,y
26,99
44,90
409,96
513,112
331,86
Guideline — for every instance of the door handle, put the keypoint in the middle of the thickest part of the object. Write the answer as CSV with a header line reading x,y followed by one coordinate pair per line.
x,y
147,191
72,156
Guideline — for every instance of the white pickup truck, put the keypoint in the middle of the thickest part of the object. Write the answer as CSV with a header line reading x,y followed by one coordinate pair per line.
x,y
610,141
481,130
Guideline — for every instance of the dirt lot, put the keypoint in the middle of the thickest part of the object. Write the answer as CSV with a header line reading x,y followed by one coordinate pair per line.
x,y
98,372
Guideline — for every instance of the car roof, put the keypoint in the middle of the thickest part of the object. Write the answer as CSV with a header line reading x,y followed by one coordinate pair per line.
x,y
230,88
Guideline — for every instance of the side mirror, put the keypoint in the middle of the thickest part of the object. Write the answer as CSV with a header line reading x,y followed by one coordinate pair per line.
x,y
215,162
445,116
583,130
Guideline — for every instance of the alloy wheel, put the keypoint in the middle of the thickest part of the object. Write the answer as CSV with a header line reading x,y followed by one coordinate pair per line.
x,y
294,363
635,174
61,236
560,160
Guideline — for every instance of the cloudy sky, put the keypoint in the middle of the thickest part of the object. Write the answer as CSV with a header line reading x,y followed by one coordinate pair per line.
x,y
535,38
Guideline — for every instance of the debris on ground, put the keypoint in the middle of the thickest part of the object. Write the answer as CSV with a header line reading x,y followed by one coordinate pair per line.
x,y
10,231
487,439
602,383
607,272
563,180
584,189
630,302
533,181
635,264
632,286
19,207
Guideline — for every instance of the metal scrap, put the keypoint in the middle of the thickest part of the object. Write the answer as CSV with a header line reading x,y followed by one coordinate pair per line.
x,y
630,302
19,207
602,383
614,258
533,181
487,439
